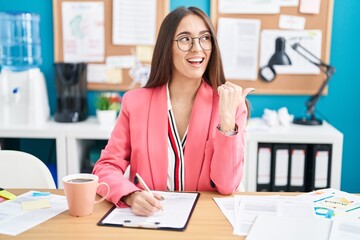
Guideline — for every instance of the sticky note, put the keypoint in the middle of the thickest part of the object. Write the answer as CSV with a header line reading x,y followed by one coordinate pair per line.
x,y
36,204
144,53
114,75
310,6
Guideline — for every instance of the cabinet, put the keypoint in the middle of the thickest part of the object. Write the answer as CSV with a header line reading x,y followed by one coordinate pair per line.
x,y
74,139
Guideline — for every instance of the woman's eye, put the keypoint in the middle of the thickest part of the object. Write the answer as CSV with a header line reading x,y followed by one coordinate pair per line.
x,y
184,39
205,37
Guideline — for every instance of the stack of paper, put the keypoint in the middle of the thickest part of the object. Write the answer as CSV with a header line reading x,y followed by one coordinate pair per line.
x,y
329,213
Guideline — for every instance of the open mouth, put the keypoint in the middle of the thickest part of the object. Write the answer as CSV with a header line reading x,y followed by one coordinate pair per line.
x,y
195,61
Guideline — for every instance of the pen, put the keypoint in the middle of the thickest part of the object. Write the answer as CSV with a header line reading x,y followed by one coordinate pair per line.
x,y
143,184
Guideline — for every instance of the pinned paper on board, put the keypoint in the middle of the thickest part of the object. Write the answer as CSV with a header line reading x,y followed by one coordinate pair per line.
x,y
310,39
310,6
239,41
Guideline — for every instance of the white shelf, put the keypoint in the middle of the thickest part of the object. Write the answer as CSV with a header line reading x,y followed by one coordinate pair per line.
x,y
259,132
72,139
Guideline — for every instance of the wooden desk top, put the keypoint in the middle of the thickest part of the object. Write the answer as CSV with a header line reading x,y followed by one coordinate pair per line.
x,y
207,222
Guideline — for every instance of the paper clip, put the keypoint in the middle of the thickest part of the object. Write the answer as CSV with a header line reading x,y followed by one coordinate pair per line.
x,y
140,224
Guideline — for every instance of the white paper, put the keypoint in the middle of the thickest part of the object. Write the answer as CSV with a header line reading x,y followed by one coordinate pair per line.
x,y
289,3
96,73
284,228
13,220
239,41
310,6
341,203
345,228
249,207
310,39
126,61
176,211
291,22
249,6
226,205
83,31
134,22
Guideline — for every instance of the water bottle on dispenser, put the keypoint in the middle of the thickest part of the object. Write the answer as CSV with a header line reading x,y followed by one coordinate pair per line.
x,y
23,93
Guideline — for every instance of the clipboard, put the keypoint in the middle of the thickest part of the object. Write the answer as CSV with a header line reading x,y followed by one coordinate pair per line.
x,y
178,208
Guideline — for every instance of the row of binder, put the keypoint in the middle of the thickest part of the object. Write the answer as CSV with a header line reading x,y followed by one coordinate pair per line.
x,y
293,167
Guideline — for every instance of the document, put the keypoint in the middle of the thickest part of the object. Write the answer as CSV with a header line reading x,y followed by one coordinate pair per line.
x,y
176,213
249,6
310,39
284,228
134,22
239,41
14,220
83,31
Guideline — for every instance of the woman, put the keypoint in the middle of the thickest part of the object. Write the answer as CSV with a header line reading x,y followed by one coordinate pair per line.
x,y
184,131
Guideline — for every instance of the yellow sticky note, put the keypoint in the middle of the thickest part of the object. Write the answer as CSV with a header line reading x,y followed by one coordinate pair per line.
x,y
144,53
114,75
36,204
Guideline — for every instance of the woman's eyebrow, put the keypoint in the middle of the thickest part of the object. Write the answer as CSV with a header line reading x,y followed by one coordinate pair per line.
x,y
189,33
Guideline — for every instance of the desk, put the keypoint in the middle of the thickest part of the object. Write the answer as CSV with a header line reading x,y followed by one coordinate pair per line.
x,y
207,222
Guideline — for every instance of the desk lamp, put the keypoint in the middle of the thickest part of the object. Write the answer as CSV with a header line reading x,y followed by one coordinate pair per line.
x,y
267,73
311,102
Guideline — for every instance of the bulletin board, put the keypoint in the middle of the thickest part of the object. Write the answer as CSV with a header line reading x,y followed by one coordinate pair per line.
x,y
288,84
110,49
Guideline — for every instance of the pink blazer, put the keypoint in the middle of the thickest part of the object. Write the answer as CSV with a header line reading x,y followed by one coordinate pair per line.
x,y
213,161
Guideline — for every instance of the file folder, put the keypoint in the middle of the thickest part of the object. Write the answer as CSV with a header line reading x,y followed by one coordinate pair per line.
x,y
297,168
264,167
280,167
320,166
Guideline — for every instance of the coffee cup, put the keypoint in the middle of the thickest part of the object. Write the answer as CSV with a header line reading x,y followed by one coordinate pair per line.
x,y
80,191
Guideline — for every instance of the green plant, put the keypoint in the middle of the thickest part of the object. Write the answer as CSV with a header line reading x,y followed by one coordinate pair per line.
x,y
108,101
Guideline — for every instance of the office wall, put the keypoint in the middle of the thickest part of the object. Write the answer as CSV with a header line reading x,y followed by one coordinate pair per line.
x,y
341,107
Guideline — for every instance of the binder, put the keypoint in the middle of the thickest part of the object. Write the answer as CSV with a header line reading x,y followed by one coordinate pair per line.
x,y
297,168
280,167
320,169
264,167
176,213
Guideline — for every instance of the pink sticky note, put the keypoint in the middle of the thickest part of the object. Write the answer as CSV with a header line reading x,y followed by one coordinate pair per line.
x,y
310,6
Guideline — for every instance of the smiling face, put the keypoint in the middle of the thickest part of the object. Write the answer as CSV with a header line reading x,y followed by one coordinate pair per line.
x,y
192,64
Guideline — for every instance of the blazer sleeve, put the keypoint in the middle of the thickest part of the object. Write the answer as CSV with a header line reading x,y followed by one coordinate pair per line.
x,y
227,163
115,159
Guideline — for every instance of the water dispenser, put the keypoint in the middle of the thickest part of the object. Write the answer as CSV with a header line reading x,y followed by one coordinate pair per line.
x,y
23,93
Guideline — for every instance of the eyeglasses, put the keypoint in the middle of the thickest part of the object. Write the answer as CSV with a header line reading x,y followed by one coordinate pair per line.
x,y
185,43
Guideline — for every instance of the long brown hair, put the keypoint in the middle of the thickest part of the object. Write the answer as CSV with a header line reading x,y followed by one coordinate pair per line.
x,y
162,63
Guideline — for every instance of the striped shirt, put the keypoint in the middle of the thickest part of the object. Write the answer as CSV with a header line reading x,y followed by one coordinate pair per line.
x,y
176,148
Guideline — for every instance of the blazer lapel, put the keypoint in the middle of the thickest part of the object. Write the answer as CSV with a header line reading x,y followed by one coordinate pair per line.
x,y
157,138
197,135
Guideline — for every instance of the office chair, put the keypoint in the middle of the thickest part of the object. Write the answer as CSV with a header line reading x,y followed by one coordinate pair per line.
x,y
23,170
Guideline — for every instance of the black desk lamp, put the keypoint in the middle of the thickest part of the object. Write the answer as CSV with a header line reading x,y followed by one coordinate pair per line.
x,y
311,102
267,73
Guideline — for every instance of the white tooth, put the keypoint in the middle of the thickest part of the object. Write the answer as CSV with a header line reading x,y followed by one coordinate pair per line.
x,y
195,60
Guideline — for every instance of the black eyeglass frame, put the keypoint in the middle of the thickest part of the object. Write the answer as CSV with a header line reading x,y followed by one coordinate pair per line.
x,y
192,42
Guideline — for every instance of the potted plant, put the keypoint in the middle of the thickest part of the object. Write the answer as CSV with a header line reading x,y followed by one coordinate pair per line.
x,y
108,105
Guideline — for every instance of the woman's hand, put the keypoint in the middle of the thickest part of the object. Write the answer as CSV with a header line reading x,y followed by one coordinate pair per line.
x,y
231,96
144,203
